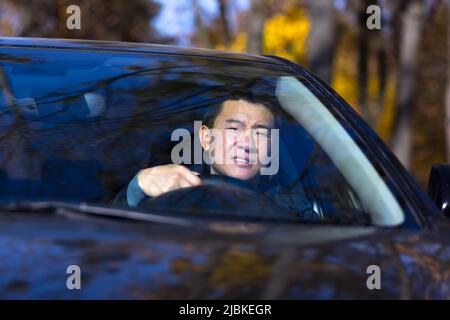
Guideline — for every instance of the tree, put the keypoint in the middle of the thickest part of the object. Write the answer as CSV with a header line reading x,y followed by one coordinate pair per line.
x,y
201,37
322,38
100,19
256,21
411,30
223,7
447,94
373,46
285,33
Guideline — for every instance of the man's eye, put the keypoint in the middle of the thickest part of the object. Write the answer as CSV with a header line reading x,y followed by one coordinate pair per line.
x,y
264,133
232,129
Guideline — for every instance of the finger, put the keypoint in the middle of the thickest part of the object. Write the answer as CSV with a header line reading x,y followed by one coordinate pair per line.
x,y
191,176
193,179
184,183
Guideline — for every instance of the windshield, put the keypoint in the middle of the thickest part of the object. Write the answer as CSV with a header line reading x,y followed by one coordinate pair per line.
x,y
110,128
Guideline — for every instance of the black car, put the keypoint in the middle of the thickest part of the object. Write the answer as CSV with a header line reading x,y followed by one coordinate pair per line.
x,y
79,120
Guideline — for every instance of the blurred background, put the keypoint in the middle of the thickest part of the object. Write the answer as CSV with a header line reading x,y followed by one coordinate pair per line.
x,y
396,77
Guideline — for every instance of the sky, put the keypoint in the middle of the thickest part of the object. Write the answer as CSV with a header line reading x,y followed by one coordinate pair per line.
x,y
176,16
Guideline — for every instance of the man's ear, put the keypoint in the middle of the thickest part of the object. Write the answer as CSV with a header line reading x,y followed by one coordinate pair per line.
x,y
204,135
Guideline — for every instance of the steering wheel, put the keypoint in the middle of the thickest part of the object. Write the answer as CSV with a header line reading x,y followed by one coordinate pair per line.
x,y
227,182
218,196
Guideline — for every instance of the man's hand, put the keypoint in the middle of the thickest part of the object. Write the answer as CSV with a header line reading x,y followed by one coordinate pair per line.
x,y
160,179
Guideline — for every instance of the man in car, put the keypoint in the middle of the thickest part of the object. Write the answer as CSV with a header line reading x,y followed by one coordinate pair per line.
x,y
249,122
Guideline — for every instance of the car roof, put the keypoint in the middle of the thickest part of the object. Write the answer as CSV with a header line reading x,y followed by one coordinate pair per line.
x,y
94,45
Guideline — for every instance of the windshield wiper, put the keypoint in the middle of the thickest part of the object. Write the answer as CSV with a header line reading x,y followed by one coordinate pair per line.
x,y
58,207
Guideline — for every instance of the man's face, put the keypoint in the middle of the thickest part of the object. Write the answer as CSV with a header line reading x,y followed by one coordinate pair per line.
x,y
244,144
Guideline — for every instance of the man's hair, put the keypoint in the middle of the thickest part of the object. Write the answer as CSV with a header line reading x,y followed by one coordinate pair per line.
x,y
212,113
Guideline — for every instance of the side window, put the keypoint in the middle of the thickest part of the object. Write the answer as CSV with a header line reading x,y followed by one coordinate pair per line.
x,y
351,162
305,168
332,196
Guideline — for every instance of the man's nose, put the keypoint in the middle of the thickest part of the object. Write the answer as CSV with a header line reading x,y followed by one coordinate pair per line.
x,y
248,142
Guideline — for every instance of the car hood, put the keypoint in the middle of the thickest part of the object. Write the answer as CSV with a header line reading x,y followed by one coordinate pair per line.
x,y
123,259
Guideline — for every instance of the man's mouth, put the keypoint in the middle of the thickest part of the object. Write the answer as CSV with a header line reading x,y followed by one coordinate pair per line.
x,y
243,162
